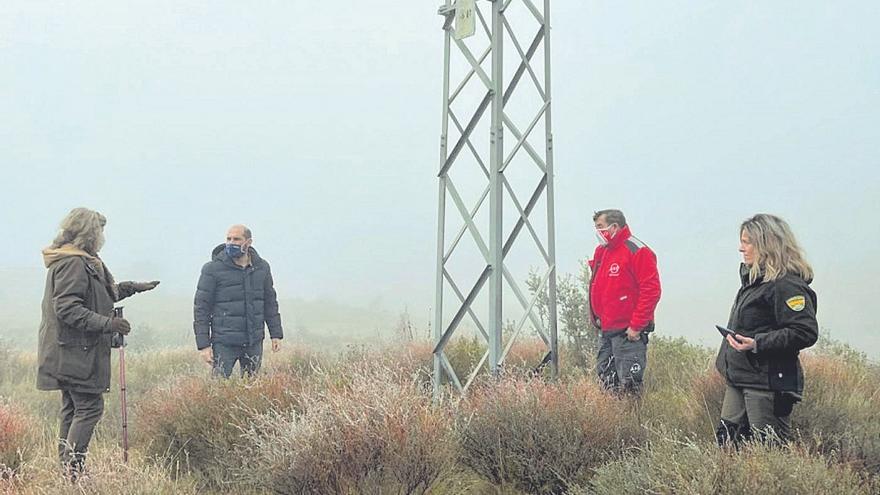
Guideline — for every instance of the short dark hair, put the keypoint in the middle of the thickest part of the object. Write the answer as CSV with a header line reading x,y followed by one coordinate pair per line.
x,y
247,233
611,216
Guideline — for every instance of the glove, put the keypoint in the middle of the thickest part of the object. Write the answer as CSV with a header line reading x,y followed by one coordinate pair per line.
x,y
120,326
144,286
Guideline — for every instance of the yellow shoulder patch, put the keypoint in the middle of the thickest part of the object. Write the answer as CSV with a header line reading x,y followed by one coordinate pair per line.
x,y
796,303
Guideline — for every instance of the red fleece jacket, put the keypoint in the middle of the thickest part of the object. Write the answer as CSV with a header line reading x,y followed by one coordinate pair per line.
x,y
625,284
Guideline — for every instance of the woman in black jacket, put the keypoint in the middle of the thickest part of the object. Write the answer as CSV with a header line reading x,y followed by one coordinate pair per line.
x,y
774,317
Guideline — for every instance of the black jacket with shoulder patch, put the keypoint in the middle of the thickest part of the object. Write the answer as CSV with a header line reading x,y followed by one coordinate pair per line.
x,y
781,316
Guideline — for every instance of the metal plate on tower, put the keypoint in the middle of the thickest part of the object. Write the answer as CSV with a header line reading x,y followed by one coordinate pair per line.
x,y
465,19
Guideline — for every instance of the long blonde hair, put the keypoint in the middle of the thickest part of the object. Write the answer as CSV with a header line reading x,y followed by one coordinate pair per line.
x,y
83,228
777,252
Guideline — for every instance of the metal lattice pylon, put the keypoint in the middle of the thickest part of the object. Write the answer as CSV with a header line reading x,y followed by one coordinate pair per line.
x,y
493,92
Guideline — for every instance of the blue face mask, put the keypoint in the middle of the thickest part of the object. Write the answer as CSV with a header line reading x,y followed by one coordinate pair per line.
x,y
234,251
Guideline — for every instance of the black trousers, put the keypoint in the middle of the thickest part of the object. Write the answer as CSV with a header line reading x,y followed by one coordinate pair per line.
x,y
79,415
249,358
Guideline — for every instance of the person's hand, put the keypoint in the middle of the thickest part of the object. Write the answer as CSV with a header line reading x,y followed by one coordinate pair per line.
x,y
276,345
120,326
207,354
633,335
144,286
740,342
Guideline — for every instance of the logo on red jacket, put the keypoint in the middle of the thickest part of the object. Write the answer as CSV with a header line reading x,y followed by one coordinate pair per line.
x,y
614,270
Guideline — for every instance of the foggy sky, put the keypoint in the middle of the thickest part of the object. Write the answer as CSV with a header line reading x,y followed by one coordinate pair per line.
x,y
317,124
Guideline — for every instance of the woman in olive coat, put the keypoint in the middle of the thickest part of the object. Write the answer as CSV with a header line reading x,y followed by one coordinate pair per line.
x,y
75,333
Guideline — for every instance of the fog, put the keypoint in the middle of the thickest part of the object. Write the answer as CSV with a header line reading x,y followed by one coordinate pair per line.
x,y
317,124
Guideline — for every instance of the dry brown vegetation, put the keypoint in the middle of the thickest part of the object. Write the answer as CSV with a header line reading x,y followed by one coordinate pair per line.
x,y
364,421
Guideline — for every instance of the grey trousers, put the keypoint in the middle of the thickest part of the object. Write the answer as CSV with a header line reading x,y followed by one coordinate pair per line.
x,y
621,363
757,411
79,415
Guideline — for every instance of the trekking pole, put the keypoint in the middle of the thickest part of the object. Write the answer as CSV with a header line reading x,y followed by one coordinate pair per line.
x,y
119,341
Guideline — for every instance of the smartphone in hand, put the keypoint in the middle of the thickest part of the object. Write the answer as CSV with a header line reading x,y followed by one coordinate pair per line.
x,y
725,331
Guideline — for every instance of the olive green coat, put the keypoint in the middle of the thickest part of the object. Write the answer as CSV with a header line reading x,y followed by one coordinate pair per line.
x,y
74,341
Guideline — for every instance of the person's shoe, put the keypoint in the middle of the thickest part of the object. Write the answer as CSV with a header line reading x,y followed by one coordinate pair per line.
x,y
74,470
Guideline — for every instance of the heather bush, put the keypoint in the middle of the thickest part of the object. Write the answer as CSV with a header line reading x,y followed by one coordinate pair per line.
x,y
537,436
525,356
668,466
377,432
16,436
464,353
105,474
194,424
683,391
413,360
840,413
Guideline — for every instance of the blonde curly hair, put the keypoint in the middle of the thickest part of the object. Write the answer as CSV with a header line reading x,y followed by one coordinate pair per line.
x,y
777,252
82,228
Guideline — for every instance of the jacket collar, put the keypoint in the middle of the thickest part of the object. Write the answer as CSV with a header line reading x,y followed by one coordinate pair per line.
x,y
621,237
51,255
744,276
93,263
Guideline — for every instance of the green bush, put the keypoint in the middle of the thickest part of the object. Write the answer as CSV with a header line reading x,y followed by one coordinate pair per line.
x,y
683,391
537,436
668,466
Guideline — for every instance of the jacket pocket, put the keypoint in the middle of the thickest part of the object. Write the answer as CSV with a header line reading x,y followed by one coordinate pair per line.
x,y
618,306
758,364
784,374
76,362
68,336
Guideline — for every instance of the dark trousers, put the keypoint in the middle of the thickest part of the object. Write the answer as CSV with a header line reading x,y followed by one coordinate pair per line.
x,y
249,358
621,363
80,413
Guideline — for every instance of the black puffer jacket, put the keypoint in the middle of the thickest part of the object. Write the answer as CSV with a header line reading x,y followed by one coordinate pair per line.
x,y
781,316
233,305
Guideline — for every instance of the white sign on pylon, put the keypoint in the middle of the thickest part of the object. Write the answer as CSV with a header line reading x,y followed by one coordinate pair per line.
x,y
465,19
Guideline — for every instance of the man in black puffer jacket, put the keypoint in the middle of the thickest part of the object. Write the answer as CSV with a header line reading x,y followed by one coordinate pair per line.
x,y
235,300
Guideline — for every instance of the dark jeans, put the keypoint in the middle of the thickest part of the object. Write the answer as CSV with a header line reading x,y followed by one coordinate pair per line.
x,y
621,363
249,358
80,413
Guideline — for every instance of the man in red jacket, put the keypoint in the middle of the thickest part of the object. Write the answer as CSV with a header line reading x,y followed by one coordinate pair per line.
x,y
624,291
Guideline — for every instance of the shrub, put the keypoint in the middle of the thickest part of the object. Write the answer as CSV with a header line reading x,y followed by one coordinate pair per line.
x,y
377,432
15,439
526,355
410,359
668,466
682,390
105,474
539,436
464,353
195,424
840,413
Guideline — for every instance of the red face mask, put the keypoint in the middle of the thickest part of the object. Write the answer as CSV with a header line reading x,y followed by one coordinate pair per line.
x,y
605,235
